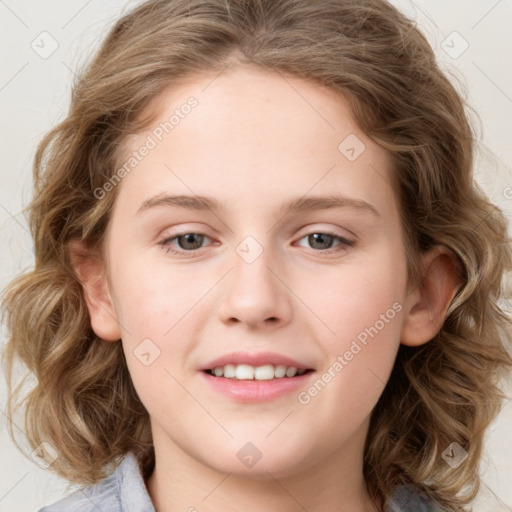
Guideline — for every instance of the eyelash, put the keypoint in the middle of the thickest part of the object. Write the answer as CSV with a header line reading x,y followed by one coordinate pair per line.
x,y
344,243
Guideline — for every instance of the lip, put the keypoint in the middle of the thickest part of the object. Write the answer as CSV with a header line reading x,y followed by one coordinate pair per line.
x,y
253,391
255,359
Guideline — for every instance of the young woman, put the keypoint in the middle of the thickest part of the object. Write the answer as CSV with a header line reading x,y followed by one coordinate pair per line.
x,y
265,278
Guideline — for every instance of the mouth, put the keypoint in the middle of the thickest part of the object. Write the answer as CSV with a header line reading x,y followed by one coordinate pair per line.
x,y
257,373
246,377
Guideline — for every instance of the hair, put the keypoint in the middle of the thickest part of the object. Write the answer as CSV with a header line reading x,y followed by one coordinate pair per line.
x,y
83,402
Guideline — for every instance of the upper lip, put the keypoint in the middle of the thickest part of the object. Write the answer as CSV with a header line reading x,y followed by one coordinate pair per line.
x,y
255,359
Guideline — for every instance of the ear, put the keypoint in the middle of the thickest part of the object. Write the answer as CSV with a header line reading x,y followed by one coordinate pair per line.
x,y
91,272
427,303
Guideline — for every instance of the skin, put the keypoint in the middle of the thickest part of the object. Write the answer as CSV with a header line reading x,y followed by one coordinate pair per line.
x,y
254,142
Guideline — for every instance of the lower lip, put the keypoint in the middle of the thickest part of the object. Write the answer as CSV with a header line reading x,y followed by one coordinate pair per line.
x,y
250,391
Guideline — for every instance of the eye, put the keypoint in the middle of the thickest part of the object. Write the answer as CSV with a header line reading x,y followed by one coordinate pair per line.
x,y
323,242
187,242
190,242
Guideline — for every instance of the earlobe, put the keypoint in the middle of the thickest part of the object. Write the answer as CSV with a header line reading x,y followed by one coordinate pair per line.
x,y
91,272
428,302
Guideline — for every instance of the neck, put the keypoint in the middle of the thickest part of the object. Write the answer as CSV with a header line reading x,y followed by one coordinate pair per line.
x,y
182,483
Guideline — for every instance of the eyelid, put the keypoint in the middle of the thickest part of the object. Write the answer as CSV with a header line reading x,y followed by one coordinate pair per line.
x,y
165,241
321,228
345,242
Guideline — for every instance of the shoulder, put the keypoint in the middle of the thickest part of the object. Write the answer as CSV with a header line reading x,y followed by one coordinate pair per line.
x,y
122,491
408,498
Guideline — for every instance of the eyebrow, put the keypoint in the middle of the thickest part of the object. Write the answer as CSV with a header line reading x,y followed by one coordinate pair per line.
x,y
201,203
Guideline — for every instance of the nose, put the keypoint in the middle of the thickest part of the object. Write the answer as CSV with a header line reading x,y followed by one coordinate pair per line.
x,y
255,294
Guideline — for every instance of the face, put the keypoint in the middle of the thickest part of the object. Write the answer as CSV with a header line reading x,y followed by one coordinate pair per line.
x,y
286,251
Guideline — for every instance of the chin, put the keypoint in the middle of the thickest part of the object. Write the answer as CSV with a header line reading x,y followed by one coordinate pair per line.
x,y
258,461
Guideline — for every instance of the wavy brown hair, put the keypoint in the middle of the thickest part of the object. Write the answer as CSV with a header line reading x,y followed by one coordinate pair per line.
x,y
447,390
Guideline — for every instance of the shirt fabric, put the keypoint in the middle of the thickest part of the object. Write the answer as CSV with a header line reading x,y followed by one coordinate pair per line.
x,y
125,491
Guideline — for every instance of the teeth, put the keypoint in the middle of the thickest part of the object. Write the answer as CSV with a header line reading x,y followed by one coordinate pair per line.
x,y
243,371
229,371
291,372
248,372
264,372
279,371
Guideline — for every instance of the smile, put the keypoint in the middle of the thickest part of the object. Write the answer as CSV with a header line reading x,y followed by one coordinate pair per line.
x,y
248,372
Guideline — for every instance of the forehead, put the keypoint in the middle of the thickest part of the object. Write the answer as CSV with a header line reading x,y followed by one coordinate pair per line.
x,y
253,136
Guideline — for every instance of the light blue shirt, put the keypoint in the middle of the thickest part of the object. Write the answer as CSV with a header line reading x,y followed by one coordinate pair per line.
x,y
125,491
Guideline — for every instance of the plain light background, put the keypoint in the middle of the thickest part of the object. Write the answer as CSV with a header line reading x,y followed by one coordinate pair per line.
x,y
42,43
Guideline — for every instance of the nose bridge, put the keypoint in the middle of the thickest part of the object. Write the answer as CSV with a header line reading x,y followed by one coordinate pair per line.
x,y
254,294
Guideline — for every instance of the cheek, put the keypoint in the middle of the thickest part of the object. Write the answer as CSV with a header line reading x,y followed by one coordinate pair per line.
x,y
362,315
359,356
353,298
152,301
158,307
